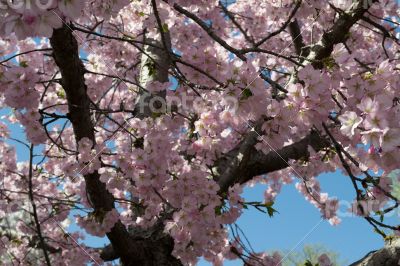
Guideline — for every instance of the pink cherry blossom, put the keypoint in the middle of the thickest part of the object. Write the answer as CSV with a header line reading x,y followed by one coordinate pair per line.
x,y
247,106
350,121
324,260
71,8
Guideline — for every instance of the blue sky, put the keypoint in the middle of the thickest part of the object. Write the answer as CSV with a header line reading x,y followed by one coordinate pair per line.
x,y
299,223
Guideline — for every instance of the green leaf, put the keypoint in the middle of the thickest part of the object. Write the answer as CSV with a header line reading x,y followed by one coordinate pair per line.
x,y
329,62
61,94
269,204
308,263
165,28
23,64
231,81
246,93
262,207
155,115
128,37
381,215
218,210
271,211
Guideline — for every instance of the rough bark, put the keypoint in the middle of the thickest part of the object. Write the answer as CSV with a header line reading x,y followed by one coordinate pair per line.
x,y
155,63
389,255
256,163
151,251
297,38
339,32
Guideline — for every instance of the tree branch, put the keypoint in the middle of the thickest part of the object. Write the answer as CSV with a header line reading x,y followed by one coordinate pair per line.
x,y
339,32
209,31
66,55
387,256
231,16
130,246
297,38
34,209
283,27
257,163
244,162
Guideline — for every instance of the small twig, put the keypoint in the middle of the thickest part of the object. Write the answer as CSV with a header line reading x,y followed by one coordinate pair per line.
x,y
32,200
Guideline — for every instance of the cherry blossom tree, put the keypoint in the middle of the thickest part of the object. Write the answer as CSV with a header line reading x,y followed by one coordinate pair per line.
x,y
145,119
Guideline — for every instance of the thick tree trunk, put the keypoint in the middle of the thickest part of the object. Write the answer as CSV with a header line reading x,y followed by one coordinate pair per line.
x,y
389,255
132,248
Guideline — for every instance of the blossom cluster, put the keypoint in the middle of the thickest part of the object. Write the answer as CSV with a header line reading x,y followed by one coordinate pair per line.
x,y
40,17
165,166
99,223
